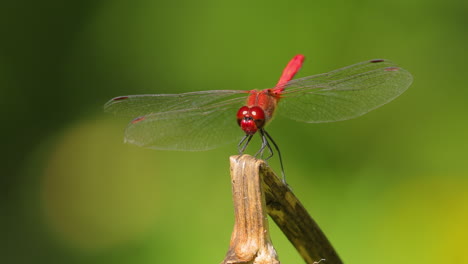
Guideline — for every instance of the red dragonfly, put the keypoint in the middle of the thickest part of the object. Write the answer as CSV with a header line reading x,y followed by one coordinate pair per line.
x,y
206,119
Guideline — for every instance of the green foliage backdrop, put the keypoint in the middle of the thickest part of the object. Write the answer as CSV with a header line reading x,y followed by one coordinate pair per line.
x,y
389,187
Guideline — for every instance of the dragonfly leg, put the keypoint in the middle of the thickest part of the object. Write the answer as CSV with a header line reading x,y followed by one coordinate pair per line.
x,y
264,145
279,155
244,143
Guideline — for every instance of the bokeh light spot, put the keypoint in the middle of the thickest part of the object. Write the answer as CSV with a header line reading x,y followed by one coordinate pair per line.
x,y
96,191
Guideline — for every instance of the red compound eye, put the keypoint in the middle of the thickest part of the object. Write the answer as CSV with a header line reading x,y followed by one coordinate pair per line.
x,y
257,113
250,119
243,111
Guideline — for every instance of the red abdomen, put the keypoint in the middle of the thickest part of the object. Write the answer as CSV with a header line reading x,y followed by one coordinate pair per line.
x,y
261,105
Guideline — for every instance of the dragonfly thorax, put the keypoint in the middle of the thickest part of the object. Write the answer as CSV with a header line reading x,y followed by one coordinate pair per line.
x,y
250,119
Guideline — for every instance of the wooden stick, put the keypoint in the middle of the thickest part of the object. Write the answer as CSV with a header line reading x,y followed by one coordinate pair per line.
x,y
257,191
250,239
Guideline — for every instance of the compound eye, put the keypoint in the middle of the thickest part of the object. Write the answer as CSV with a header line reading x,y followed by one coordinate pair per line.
x,y
258,116
257,113
243,111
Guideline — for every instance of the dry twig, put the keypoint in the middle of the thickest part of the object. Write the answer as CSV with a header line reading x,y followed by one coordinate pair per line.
x,y
257,191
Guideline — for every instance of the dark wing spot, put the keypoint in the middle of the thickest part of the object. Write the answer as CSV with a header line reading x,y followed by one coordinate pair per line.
x,y
120,98
138,119
391,69
377,60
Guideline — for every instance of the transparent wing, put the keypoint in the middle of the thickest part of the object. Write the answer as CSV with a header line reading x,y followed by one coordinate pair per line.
x,y
345,93
138,105
190,121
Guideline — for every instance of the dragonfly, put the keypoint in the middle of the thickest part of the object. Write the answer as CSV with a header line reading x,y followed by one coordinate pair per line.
x,y
204,120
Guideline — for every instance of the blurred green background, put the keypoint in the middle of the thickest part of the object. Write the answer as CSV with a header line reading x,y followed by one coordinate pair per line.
x,y
389,187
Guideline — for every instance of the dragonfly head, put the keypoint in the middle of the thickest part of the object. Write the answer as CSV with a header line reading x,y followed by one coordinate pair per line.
x,y
250,119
